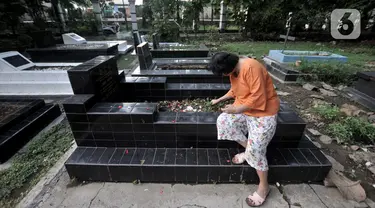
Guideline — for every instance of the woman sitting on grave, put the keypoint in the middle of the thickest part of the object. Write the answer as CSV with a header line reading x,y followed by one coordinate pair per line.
x,y
254,112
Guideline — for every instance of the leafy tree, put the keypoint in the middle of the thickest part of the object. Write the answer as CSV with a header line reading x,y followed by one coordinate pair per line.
x,y
192,11
10,13
162,12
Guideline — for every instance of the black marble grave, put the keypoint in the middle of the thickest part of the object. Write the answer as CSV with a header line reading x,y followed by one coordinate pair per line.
x,y
72,52
282,72
125,139
144,57
176,52
176,70
366,83
137,39
143,125
155,41
97,76
22,123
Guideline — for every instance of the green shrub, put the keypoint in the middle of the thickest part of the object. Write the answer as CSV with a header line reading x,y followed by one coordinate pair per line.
x,y
327,111
330,72
340,131
28,166
361,130
352,130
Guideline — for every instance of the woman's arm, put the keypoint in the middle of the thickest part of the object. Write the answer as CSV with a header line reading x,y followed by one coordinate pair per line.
x,y
228,96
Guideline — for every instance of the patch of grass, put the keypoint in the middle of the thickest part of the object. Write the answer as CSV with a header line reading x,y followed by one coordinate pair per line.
x,y
330,72
328,112
358,54
28,167
353,130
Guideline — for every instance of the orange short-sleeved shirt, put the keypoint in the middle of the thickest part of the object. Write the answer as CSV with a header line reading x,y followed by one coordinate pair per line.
x,y
253,87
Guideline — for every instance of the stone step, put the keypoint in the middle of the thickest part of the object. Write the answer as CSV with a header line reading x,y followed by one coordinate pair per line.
x,y
139,124
36,88
170,140
192,165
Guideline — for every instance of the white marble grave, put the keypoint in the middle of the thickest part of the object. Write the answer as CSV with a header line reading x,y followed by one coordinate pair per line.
x,y
20,76
73,38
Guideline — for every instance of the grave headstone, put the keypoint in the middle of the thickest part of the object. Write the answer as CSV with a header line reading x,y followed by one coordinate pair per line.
x,y
98,76
137,39
143,38
144,56
155,41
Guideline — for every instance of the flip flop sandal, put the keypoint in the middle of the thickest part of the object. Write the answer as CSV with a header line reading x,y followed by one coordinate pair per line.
x,y
255,200
239,158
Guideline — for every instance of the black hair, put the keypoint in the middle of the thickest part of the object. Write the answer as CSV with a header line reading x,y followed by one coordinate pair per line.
x,y
223,63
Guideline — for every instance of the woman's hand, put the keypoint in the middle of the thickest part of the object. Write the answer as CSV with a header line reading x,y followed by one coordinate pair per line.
x,y
230,109
215,101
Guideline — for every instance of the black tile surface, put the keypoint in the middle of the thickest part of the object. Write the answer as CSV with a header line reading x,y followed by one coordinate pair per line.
x,y
202,165
119,118
105,143
12,141
122,127
75,117
106,155
146,128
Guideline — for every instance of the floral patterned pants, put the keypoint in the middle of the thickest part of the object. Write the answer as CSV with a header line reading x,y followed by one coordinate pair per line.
x,y
260,131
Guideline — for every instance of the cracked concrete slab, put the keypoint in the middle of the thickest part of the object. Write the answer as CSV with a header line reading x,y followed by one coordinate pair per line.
x,y
302,195
333,198
166,195
97,195
63,193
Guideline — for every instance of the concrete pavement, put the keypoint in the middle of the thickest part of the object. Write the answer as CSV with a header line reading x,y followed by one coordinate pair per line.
x,y
62,192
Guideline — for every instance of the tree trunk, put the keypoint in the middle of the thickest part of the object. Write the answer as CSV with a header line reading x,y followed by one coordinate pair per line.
x,y
60,16
247,23
212,12
178,12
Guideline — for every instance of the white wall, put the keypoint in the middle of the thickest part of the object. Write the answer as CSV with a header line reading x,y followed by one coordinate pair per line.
x,y
137,2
